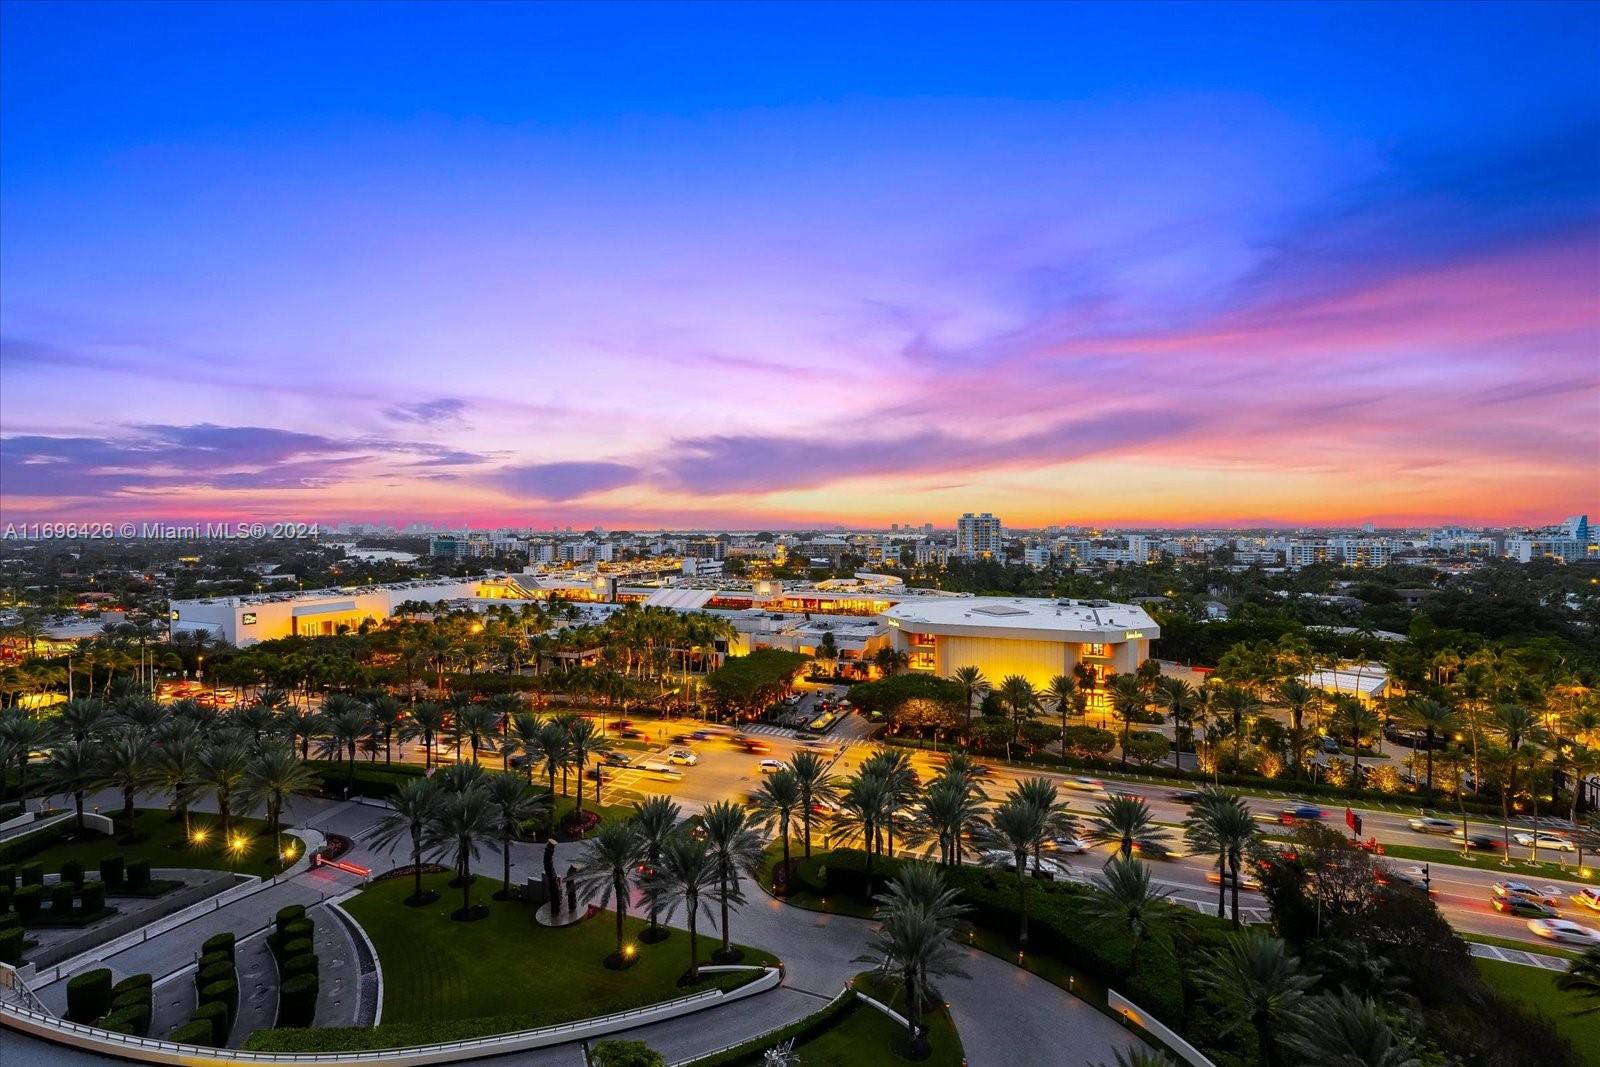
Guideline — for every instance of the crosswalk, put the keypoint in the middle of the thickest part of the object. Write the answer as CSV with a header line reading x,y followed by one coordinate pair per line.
x,y
1515,955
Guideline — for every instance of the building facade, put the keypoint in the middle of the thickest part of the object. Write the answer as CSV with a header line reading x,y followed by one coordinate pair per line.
x,y
978,536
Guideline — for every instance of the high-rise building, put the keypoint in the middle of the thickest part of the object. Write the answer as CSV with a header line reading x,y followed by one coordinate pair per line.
x,y
978,536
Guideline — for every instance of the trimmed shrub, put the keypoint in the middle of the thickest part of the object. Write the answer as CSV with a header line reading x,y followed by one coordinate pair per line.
x,y
9,920
131,983
113,871
214,957
61,898
72,871
305,963
222,942
6,893
11,945
287,915
28,900
94,897
133,1019
139,874
32,873
215,1015
8,876
195,1032
216,972
300,946
297,1000
225,993
89,995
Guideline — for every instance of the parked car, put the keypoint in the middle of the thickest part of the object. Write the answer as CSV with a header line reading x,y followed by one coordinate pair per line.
x,y
1589,897
1544,840
1543,894
1433,826
1522,907
1481,841
1565,930
771,766
683,756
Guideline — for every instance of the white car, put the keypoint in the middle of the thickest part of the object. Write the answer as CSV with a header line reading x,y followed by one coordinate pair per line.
x,y
684,756
771,766
1432,826
1087,785
1565,930
1074,845
1589,897
1544,840
1005,861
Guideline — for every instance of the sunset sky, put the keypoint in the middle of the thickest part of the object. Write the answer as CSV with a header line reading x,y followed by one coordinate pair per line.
x,y
768,266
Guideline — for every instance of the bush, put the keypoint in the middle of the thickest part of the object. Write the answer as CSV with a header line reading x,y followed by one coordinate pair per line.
x,y
292,913
72,871
8,876
94,897
133,1019
214,957
195,1032
113,871
32,874
304,963
139,874
61,898
615,1053
225,992
6,893
33,843
11,945
300,946
89,995
297,1000
131,983
9,920
215,1016
28,900
222,971
222,942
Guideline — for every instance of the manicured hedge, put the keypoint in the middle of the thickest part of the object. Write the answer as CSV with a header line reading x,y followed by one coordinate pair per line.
x,y
6,893
72,871
222,942
8,876
214,957
220,971
225,992
11,945
289,914
89,995
375,780
113,871
28,900
32,874
94,897
297,1000
214,1015
300,946
9,921
61,898
138,874
34,842
304,963
196,1032
133,1019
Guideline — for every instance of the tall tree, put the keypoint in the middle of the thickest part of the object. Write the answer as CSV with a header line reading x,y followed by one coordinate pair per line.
x,y
817,789
273,776
460,825
776,803
686,874
736,849
1255,981
1220,825
914,943
1125,897
1015,831
1124,820
411,812
609,859
655,821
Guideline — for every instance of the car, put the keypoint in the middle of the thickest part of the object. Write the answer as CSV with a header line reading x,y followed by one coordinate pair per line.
x,y
771,766
807,735
621,724
1297,812
1431,825
1225,878
755,746
1330,744
1414,878
1565,930
615,759
1480,841
1087,785
1185,796
1041,868
1589,897
1073,845
682,738
1543,894
1522,907
684,756
701,735
1544,840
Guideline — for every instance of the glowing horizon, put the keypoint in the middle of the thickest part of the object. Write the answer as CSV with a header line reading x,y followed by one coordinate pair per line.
x,y
784,266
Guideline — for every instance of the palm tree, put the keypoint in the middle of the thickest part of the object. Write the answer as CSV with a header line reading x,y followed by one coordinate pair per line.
x,y
584,740
900,785
461,823
1349,1030
951,808
1434,718
735,849
427,723
347,722
411,813
1299,697
26,736
301,727
776,802
74,768
223,767
610,858
1123,820
474,724
517,804
1129,701
524,740
1015,831
1582,977
863,807
387,716
1220,825
816,787
126,764
1019,696
1256,980
83,718
685,873
1237,704
1126,898
1180,699
555,748
913,943
655,821
1516,724
275,774
177,771
973,686
1356,723
1063,690
1058,818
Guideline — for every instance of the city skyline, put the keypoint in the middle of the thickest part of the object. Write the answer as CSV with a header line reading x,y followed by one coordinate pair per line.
x,y
788,267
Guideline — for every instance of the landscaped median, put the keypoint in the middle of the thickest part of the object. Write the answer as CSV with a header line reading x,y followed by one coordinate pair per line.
x,y
450,981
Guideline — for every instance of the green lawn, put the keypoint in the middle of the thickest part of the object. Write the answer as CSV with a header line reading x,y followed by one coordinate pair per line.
x,y
1537,989
445,980
160,840
1489,861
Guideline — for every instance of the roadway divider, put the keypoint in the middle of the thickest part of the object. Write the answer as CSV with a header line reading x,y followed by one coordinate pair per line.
x,y
1136,1016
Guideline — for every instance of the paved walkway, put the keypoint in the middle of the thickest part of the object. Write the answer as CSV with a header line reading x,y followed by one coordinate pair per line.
x,y
1519,956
